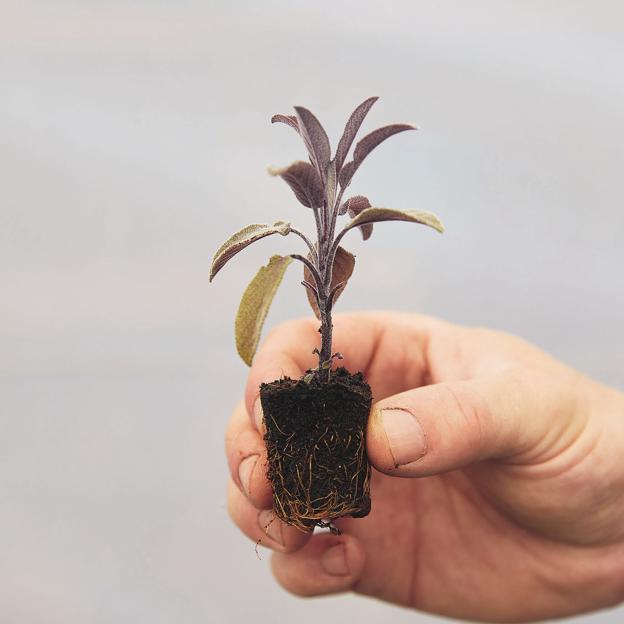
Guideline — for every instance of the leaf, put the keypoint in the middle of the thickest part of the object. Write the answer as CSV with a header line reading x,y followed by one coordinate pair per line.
x,y
237,242
346,173
315,139
255,305
366,145
373,215
289,120
351,130
372,140
344,263
354,207
304,180
356,204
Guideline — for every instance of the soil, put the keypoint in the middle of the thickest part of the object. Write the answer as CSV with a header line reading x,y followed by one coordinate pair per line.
x,y
316,443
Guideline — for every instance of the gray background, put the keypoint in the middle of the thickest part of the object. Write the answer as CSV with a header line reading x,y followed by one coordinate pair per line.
x,y
134,138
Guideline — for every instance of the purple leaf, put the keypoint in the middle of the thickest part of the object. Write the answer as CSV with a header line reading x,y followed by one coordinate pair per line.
x,y
304,180
366,145
315,139
344,263
289,120
356,204
354,207
346,173
241,239
372,140
351,129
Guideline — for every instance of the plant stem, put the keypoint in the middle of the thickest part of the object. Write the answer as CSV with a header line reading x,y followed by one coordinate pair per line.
x,y
307,241
334,214
312,268
326,338
325,267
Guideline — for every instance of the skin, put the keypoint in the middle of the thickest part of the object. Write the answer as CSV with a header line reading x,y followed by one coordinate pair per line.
x,y
512,508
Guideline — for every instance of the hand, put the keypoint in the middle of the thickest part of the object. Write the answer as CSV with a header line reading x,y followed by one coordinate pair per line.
x,y
498,480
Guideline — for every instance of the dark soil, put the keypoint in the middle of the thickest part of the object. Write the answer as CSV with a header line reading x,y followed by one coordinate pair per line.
x,y
315,437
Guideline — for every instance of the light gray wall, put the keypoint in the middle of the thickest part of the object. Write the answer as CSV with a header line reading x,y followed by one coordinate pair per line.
x,y
134,138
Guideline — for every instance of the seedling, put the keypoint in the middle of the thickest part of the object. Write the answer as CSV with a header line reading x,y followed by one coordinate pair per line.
x,y
315,425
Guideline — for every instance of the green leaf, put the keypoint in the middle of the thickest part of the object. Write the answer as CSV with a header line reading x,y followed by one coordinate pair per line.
x,y
373,215
237,242
255,304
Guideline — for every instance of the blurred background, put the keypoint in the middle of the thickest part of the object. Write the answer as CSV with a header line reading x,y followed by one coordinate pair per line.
x,y
134,138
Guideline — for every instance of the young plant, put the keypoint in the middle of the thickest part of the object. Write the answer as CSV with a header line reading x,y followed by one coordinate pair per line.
x,y
315,481
319,185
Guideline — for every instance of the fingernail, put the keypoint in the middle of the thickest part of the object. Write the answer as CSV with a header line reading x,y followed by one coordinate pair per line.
x,y
245,470
271,526
257,414
405,436
334,561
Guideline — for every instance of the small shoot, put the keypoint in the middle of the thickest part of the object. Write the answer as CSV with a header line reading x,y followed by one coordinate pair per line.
x,y
327,266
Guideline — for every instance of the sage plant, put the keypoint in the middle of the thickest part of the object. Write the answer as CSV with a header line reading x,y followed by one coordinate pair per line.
x,y
319,184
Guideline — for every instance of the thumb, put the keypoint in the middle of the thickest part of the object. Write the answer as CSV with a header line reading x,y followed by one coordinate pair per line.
x,y
445,426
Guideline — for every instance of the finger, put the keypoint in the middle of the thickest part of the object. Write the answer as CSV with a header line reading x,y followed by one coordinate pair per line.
x,y
247,459
262,526
276,359
390,348
514,415
327,564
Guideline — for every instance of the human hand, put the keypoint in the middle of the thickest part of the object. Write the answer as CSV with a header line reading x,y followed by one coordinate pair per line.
x,y
498,474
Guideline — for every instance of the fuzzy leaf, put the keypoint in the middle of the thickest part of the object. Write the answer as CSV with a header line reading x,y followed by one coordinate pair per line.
x,y
304,180
346,173
367,231
237,242
354,206
372,140
341,272
373,215
289,120
367,145
255,304
315,139
351,130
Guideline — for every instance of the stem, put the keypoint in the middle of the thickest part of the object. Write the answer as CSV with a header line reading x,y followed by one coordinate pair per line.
x,y
317,220
326,338
326,252
312,289
315,274
336,243
326,262
307,241
334,216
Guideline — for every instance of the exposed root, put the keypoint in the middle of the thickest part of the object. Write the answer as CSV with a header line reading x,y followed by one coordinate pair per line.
x,y
317,454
